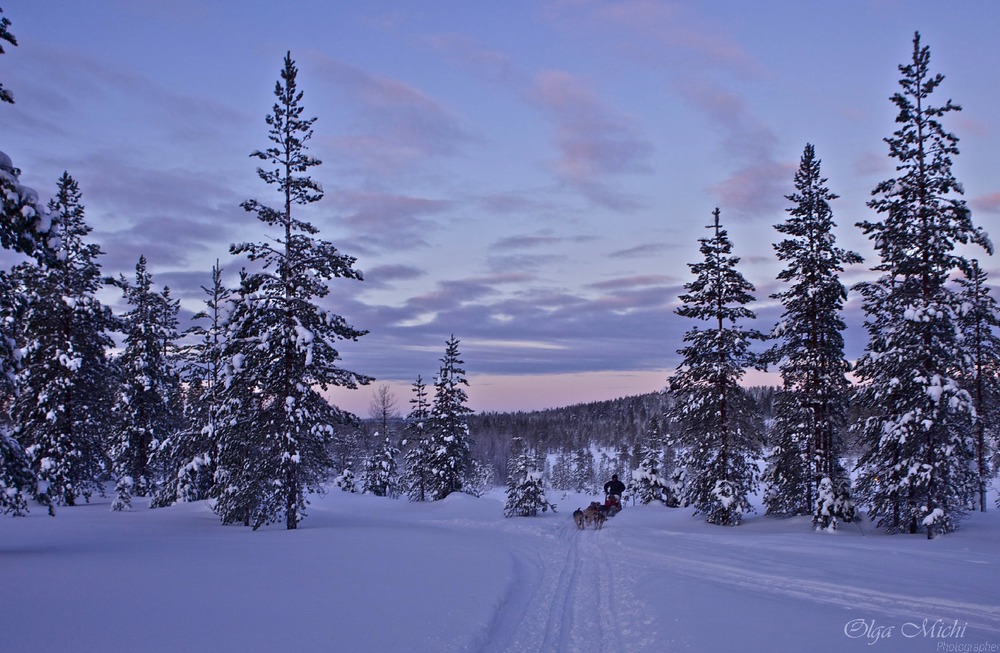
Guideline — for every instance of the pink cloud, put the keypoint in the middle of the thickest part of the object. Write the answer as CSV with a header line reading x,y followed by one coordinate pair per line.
x,y
745,136
593,139
987,203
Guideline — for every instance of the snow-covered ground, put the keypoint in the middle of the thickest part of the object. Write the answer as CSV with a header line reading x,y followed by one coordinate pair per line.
x,y
371,574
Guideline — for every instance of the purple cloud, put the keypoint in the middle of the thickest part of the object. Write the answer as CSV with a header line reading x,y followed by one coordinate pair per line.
x,y
639,251
593,140
396,126
384,221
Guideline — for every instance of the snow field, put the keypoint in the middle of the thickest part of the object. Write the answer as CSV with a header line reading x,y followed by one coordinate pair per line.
x,y
365,573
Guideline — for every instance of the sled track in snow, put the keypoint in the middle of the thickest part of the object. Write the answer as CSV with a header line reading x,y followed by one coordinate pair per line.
x,y
563,599
977,615
560,626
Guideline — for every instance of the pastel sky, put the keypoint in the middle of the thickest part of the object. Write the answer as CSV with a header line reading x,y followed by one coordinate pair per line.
x,y
531,177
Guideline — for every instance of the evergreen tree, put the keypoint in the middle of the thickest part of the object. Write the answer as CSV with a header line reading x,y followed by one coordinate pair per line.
x,y
284,341
980,322
449,451
810,350
583,470
145,408
24,228
5,35
648,482
525,484
917,471
188,455
417,476
478,478
63,381
562,472
717,421
382,471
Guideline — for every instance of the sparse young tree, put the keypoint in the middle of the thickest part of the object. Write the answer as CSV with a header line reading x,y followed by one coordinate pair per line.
x,y
525,484
917,471
562,472
980,325
416,480
188,455
63,381
449,451
478,478
583,470
648,482
716,420
381,472
812,406
285,342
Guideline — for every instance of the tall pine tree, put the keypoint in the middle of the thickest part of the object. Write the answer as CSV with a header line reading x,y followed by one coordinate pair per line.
x,y
717,429
63,382
917,471
449,457
284,340
812,406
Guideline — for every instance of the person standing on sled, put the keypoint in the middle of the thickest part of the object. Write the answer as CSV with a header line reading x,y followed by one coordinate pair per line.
x,y
613,491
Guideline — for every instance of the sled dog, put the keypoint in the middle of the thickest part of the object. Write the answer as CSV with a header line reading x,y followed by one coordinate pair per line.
x,y
594,514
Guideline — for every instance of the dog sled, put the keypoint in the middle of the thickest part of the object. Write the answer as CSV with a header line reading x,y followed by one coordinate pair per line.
x,y
597,513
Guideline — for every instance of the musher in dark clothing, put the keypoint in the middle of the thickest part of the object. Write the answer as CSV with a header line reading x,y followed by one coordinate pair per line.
x,y
613,491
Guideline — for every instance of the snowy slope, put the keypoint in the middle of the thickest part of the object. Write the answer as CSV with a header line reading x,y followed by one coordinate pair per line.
x,y
371,574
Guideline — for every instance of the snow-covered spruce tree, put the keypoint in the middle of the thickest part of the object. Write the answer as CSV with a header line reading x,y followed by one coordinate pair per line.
x,y
812,405
716,421
63,381
187,456
478,478
281,341
24,227
525,484
146,409
449,451
416,443
381,469
648,482
980,325
917,471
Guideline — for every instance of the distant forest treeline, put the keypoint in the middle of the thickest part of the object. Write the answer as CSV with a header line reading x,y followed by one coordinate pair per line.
x,y
615,424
